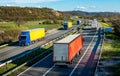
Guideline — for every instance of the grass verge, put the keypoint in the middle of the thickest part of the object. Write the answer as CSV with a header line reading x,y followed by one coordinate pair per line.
x,y
28,25
111,46
112,49
105,24
26,58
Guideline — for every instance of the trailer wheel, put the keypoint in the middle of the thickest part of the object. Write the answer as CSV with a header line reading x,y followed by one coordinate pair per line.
x,y
71,62
79,52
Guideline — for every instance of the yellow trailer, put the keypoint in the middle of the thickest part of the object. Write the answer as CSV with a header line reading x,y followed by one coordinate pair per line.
x,y
37,34
29,36
67,25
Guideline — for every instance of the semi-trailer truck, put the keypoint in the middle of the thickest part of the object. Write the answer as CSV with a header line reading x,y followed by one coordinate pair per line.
x,y
94,24
28,37
65,50
78,22
67,25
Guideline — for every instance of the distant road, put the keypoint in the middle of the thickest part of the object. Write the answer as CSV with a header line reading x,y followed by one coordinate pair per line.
x,y
82,66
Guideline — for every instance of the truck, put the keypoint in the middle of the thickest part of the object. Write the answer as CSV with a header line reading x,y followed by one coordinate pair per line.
x,y
94,24
108,29
28,37
67,25
78,22
66,49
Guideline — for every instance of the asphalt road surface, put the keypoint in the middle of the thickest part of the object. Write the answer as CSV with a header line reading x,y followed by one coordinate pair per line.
x,y
84,64
11,52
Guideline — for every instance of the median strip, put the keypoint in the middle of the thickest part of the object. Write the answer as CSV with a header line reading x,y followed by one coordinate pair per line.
x,y
29,59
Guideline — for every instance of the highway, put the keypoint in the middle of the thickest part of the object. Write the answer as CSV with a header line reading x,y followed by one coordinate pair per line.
x,y
11,52
84,64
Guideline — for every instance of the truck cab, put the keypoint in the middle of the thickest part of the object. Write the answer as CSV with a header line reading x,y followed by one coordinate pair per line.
x,y
24,38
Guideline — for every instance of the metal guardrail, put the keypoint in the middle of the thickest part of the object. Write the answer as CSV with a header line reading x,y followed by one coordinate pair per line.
x,y
4,45
6,63
96,69
24,64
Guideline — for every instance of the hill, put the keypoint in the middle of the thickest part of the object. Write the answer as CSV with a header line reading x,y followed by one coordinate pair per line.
x,y
13,13
29,13
90,14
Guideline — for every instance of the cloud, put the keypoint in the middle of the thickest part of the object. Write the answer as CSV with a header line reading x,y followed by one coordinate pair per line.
x,y
38,6
81,8
8,5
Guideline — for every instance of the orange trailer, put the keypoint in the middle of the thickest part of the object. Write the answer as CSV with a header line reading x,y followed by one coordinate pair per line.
x,y
65,50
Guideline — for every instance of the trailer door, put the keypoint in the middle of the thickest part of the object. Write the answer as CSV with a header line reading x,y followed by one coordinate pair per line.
x,y
60,52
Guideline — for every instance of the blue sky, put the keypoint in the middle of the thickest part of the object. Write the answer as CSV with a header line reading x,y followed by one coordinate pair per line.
x,y
68,5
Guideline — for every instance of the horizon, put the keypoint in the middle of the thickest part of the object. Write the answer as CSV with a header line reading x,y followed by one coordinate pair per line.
x,y
68,5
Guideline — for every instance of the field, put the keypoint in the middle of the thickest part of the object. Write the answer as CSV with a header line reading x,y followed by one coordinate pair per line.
x,y
111,49
105,24
27,25
9,31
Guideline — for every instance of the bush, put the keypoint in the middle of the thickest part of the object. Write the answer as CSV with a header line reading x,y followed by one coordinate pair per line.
x,y
9,35
116,25
13,33
47,22
4,38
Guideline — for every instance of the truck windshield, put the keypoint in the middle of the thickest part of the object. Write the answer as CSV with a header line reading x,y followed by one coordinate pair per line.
x,y
22,37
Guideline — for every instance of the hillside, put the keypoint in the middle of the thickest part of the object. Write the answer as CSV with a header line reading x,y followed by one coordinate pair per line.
x,y
27,13
100,14
13,13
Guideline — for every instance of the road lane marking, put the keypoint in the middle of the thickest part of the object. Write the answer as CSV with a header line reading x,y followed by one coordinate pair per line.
x,y
35,64
48,71
54,66
82,56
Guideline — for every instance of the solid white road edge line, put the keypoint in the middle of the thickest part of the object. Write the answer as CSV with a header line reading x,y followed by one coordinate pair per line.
x,y
82,56
78,62
34,64
48,71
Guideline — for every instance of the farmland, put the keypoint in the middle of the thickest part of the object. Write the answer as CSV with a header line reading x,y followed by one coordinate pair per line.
x,y
11,30
27,25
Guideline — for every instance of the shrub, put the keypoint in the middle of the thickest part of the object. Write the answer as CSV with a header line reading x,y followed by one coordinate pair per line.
x,y
9,35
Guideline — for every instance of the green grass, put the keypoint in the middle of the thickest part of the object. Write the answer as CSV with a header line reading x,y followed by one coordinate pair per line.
x,y
105,24
11,25
6,68
42,26
111,48
22,60
74,22
28,25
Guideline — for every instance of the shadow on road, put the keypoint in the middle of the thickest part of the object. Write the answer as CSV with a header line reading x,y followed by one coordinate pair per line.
x,y
89,67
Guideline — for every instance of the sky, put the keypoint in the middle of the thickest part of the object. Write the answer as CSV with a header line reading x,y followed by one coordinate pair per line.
x,y
68,5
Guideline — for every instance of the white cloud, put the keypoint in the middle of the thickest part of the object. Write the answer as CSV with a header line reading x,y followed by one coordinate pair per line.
x,y
8,5
81,8
38,6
